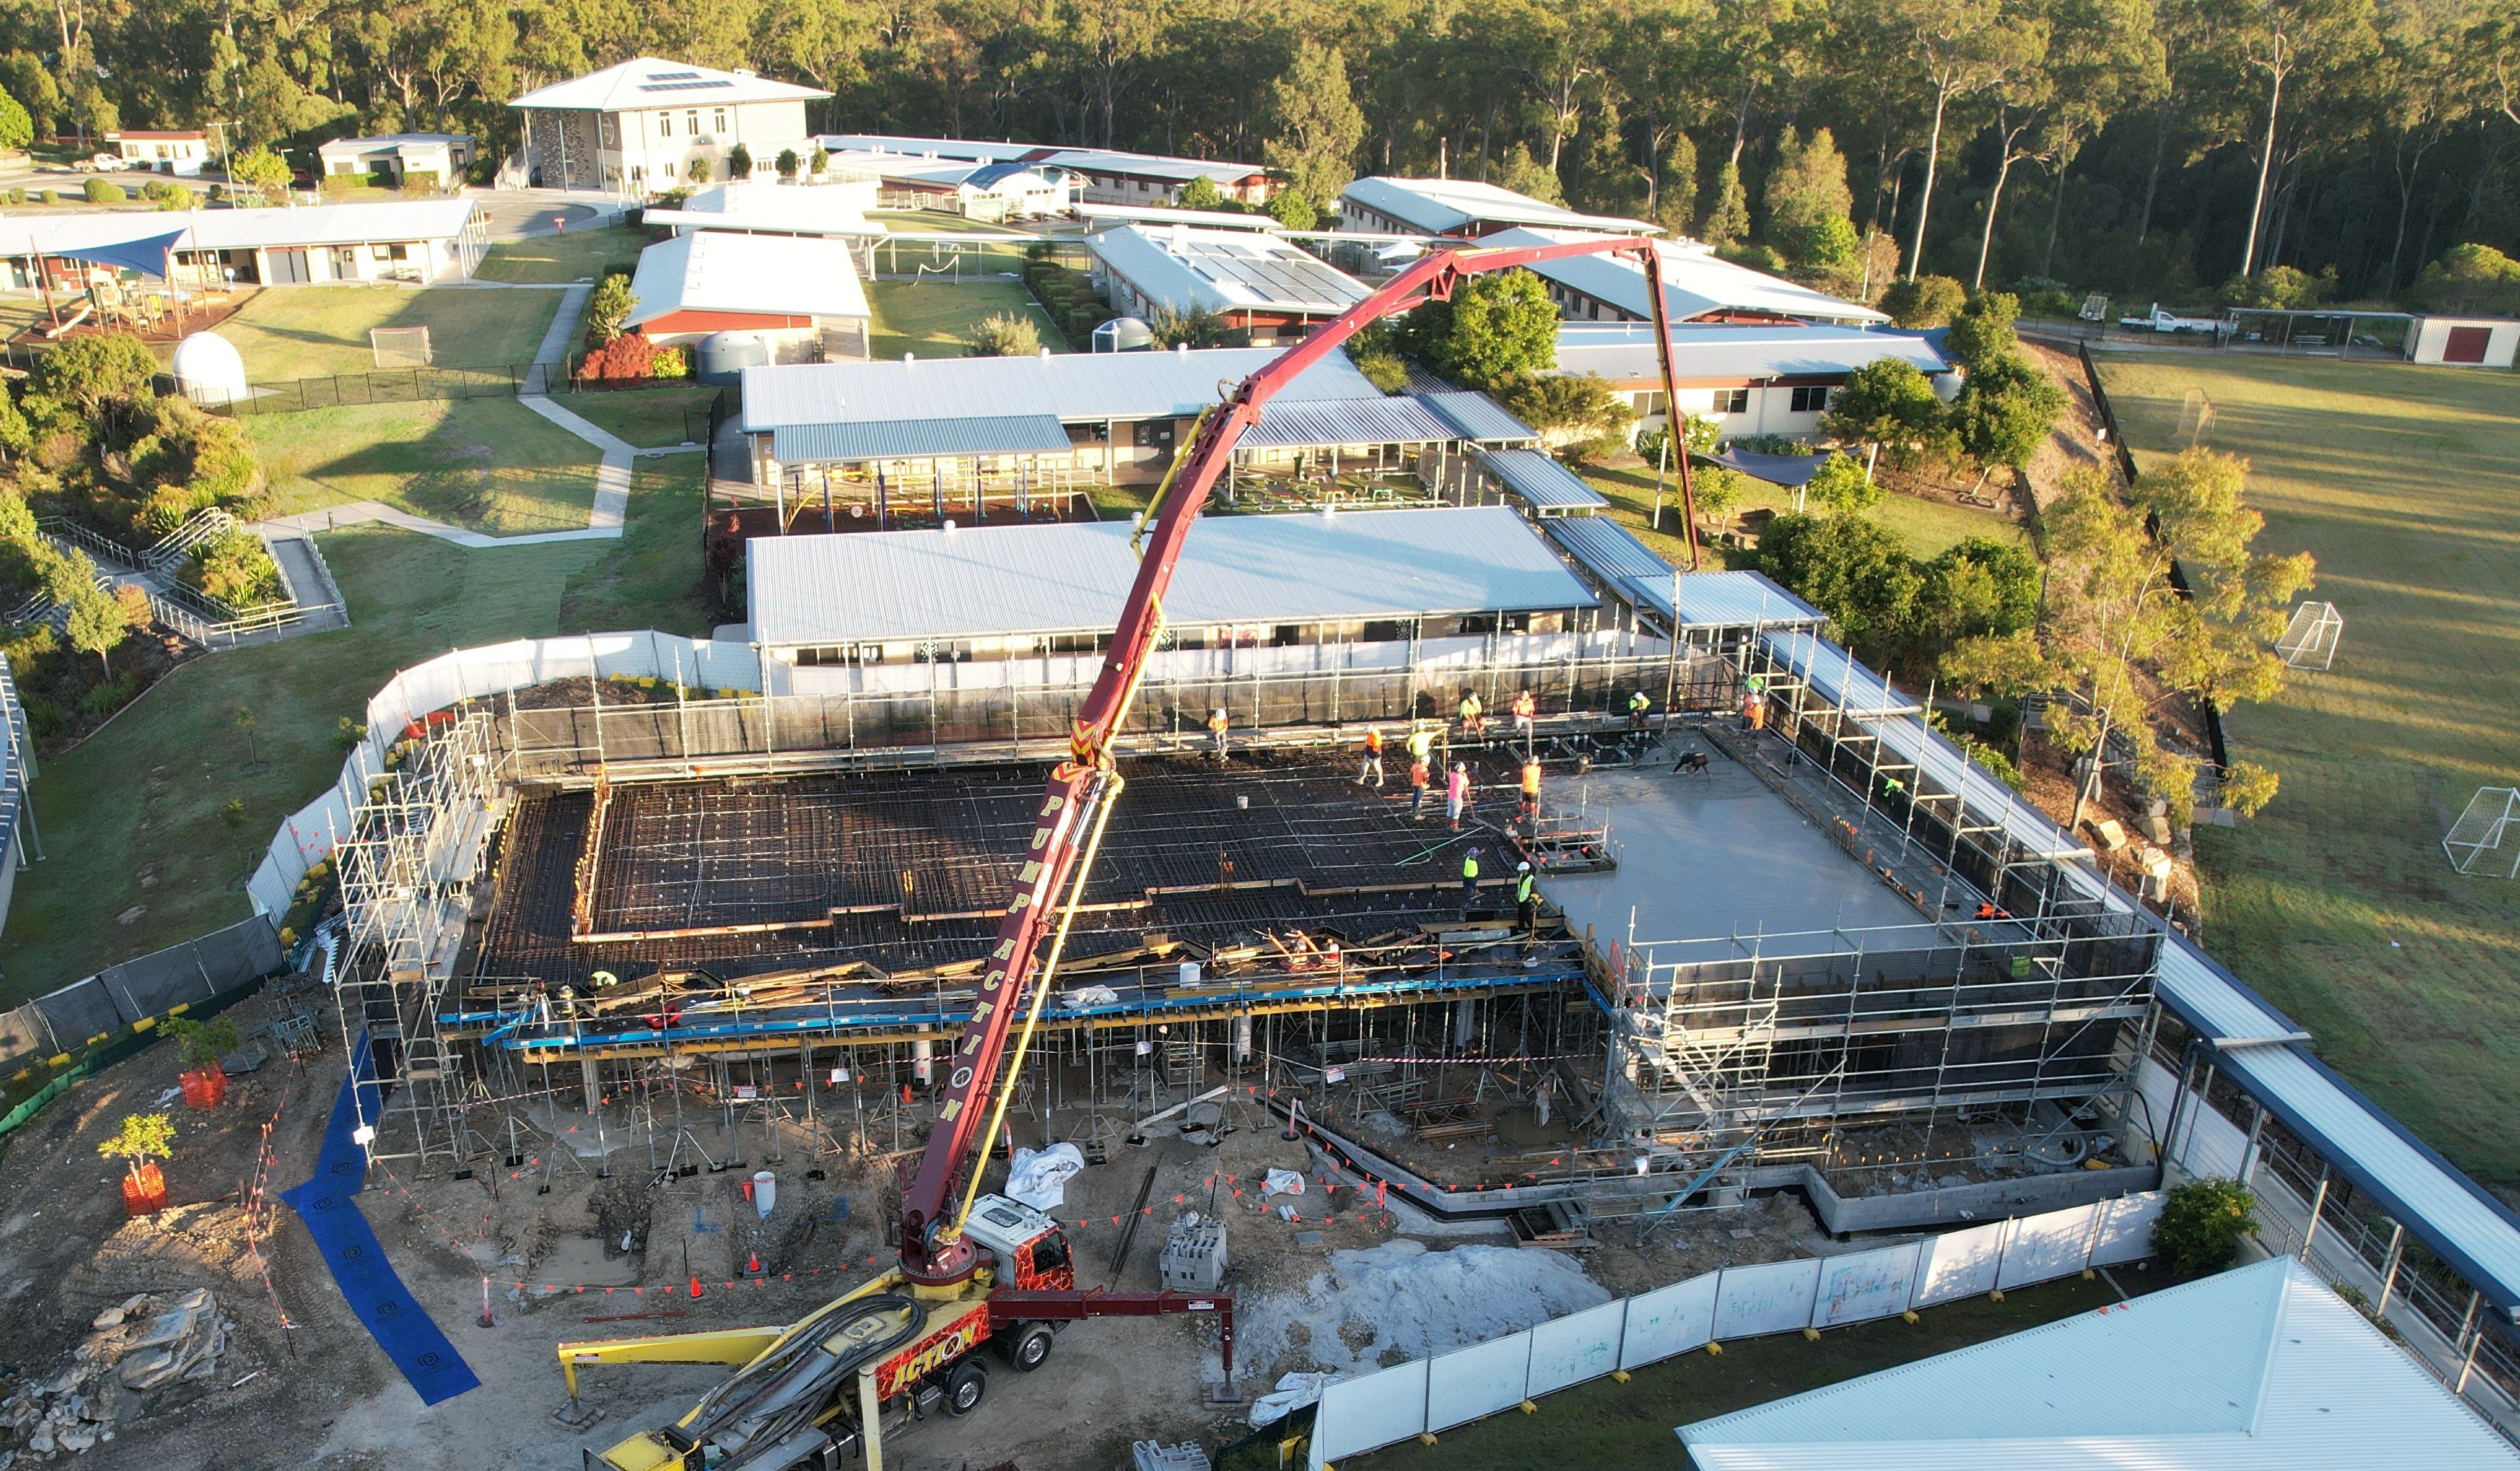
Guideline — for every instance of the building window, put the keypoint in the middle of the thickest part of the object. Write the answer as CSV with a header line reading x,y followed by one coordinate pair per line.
x,y
669,168
1650,403
664,124
717,120
609,129
1731,400
1810,400
692,117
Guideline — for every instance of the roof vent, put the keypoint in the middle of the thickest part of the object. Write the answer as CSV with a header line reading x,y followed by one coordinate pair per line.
x,y
909,358
1181,347
949,525
1045,352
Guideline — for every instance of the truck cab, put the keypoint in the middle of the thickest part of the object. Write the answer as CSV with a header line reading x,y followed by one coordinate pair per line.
x,y
1028,1248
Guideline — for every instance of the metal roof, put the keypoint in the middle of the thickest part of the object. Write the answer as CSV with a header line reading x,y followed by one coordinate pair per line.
x,y
1741,599
991,581
1080,160
2262,1368
1620,562
1695,282
398,220
1344,421
1542,483
1072,387
1223,270
1445,206
1475,416
1776,469
2441,1207
919,439
648,82
1736,356
380,142
763,274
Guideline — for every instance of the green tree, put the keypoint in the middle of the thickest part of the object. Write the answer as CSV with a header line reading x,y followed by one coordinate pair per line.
x,y
1578,412
609,308
2004,412
88,372
1199,193
1983,331
26,79
16,127
97,625
1809,205
2202,1224
1727,213
1922,303
142,1137
696,172
788,162
1717,494
2469,279
1497,330
1887,402
1980,588
822,159
260,176
1313,123
1851,567
1841,486
1291,209
1004,336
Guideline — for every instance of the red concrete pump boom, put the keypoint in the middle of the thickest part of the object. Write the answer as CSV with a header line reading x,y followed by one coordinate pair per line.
x,y
1083,788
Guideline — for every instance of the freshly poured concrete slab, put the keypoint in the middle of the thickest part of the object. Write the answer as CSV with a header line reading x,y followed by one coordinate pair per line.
x,y
1711,856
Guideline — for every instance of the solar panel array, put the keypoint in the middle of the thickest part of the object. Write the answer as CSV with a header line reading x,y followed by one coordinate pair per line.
x,y
1270,277
658,84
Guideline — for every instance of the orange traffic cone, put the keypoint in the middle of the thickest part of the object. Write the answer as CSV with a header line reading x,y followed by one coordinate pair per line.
x,y
905,1093
695,1284
752,1263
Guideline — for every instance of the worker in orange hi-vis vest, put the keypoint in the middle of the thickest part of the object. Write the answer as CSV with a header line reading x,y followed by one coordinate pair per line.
x,y
1524,709
1216,728
1371,770
1754,712
1531,788
1419,777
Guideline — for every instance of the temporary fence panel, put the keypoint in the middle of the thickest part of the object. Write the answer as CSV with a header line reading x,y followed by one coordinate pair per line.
x,y
1575,1348
1866,1284
2124,1229
1668,1321
1374,1410
1479,1380
1960,1264
2203,1142
195,971
76,1012
2048,1246
1769,1299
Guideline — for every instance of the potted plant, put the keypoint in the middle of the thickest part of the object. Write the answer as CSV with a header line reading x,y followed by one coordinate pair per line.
x,y
203,1043
144,1139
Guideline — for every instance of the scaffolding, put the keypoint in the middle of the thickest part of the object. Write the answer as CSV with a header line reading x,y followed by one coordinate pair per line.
x,y
407,863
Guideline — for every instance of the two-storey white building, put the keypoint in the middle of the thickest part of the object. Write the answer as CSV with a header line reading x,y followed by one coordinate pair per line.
x,y
648,125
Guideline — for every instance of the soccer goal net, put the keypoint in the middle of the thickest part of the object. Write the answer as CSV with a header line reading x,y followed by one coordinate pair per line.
x,y
2485,841
2310,639
399,346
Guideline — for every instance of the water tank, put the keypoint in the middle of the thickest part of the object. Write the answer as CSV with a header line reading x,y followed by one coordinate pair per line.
x,y
724,355
1124,335
209,369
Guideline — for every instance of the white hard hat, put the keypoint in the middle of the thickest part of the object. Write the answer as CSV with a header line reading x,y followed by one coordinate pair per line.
x,y
1522,867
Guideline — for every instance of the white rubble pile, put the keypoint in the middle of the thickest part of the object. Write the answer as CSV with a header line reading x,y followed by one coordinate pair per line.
x,y
1400,1300
154,1351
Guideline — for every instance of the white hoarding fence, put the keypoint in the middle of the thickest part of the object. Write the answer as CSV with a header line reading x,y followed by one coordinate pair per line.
x,y
1435,1395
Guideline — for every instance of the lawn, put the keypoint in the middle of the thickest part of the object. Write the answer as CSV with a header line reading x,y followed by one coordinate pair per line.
x,y
1605,1423
646,417
318,331
1927,526
935,318
132,819
489,464
560,260
2337,903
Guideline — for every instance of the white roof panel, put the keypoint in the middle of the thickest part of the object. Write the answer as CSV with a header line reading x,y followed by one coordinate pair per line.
x,y
1695,283
1080,160
1448,206
2262,1368
1732,355
769,275
1224,271
403,220
648,82
1072,387
987,581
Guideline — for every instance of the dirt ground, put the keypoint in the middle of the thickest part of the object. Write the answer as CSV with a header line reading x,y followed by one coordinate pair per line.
x,y
319,1393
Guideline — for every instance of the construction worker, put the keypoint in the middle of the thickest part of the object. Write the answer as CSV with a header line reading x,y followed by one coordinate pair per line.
x,y
604,979
1474,718
1457,793
1372,768
1216,728
1469,879
1531,788
1419,777
1422,740
1524,709
1637,704
1754,711
1526,897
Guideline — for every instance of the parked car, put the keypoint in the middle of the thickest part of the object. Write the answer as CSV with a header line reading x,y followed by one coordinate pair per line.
x,y
98,163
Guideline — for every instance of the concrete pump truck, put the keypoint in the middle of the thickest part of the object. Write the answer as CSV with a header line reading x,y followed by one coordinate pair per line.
x,y
975,1268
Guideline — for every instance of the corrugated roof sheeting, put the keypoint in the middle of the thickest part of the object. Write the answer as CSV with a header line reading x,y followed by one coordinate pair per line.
x,y
1740,600
2262,1368
1542,483
1625,566
760,275
1074,387
2443,1208
1694,281
1475,416
1344,421
1625,352
919,439
1224,271
243,229
1442,207
987,581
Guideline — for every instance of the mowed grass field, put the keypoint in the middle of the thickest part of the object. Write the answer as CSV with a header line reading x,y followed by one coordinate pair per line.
x,y
141,853
935,318
488,465
299,332
560,260
2337,903
1928,527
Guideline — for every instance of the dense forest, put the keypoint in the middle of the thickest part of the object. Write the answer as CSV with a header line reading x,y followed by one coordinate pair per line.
x,y
2158,146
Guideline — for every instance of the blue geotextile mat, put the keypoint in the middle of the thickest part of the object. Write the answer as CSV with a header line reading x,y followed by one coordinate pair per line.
x,y
326,1203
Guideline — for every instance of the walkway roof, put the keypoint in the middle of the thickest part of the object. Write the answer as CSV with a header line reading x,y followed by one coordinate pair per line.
x,y
1542,482
1072,387
1695,283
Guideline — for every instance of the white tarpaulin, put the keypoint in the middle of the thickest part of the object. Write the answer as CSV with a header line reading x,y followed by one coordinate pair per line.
x,y
1039,1177
1769,1299
1294,1393
1283,1183
1866,1284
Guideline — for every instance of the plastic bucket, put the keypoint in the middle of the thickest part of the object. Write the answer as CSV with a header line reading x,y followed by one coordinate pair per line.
x,y
765,1192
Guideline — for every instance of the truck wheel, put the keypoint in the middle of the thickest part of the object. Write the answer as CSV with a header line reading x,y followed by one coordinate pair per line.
x,y
964,1387
1028,1346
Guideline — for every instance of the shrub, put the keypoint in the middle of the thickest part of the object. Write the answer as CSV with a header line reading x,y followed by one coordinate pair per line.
x,y
1196,328
2278,286
1924,302
166,194
2469,279
421,181
349,732
697,170
738,166
627,358
1579,414
232,811
51,196
2202,1224
234,568
143,1137
788,161
1983,329
1004,336
1384,370
671,362
1839,485
608,308
203,1042
106,191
